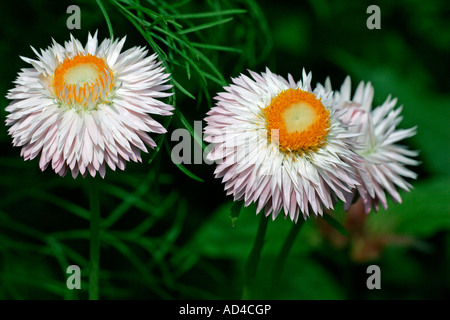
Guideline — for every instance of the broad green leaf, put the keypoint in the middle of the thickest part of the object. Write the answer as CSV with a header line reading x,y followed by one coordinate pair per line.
x,y
424,211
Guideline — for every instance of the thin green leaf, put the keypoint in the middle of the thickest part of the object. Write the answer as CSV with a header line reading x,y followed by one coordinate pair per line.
x,y
235,211
163,3
158,212
335,224
214,79
66,205
159,141
189,128
136,262
147,11
108,22
184,55
183,168
128,202
182,89
5,221
51,286
215,47
172,234
208,62
71,234
132,18
208,14
205,26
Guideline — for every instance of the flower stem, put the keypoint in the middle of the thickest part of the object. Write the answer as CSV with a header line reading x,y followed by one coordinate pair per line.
x,y
255,254
281,259
94,205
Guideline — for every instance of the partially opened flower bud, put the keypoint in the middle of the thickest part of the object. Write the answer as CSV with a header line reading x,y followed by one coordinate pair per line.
x,y
384,161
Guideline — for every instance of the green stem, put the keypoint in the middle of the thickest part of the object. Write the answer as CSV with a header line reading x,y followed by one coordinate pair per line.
x,y
255,254
281,259
94,268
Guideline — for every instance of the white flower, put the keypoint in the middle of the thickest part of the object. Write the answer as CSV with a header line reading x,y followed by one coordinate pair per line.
x,y
80,108
384,161
279,144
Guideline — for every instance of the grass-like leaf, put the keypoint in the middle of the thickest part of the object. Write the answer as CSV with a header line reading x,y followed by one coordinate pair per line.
x,y
183,168
215,47
335,224
209,14
235,211
107,20
205,26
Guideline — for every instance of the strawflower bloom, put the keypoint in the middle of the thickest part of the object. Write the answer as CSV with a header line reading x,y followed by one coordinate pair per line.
x,y
384,161
281,145
82,107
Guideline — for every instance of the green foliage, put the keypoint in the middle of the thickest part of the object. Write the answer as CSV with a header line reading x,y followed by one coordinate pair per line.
x,y
218,230
235,211
424,211
335,224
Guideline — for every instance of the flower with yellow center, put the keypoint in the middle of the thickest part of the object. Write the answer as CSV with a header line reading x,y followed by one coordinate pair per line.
x,y
83,81
298,119
279,144
81,108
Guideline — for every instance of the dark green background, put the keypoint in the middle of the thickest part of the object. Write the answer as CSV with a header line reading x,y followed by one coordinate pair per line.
x,y
175,238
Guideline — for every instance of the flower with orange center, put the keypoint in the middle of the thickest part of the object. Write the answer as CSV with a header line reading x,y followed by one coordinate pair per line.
x,y
83,81
81,108
297,120
279,144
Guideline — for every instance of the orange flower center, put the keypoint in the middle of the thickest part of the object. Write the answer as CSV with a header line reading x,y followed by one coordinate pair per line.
x,y
83,81
297,121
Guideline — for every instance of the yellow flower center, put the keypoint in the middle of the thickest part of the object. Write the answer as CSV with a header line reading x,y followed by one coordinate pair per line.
x,y
83,81
297,121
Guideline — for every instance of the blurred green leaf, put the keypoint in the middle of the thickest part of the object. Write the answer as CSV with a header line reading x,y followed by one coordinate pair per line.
x,y
235,211
425,210
302,279
335,224
217,238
